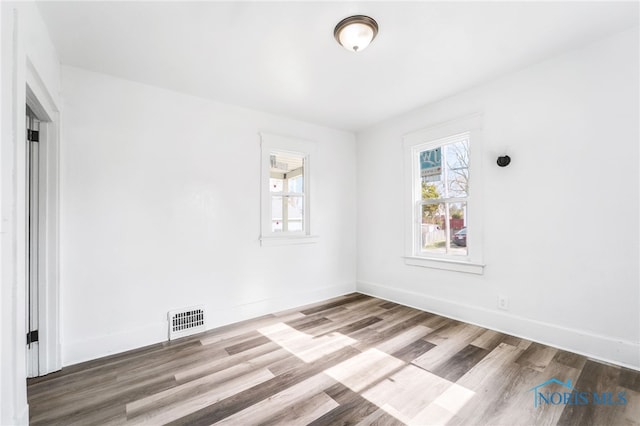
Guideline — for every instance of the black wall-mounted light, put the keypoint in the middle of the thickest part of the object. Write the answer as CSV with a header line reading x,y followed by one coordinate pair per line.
x,y
504,161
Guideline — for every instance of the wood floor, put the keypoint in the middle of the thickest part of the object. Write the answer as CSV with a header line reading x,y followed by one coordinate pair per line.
x,y
350,360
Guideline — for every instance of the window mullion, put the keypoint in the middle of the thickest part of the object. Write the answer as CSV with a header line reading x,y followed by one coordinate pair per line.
x,y
447,227
285,204
418,228
442,200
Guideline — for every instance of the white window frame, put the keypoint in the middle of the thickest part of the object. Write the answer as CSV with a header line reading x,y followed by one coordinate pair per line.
x,y
469,127
269,144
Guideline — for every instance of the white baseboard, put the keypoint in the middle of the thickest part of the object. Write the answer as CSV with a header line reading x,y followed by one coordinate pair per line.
x,y
599,347
100,346
104,345
23,417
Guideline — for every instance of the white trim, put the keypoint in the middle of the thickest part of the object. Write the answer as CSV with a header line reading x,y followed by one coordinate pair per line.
x,y
437,135
603,348
41,103
287,240
270,143
444,129
38,97
23,417
448,264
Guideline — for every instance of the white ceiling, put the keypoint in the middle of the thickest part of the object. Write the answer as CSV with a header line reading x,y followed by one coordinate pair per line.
x,y
281,57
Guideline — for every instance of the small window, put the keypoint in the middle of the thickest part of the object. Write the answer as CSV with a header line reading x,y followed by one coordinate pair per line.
x,y
286,203
286,184
444,220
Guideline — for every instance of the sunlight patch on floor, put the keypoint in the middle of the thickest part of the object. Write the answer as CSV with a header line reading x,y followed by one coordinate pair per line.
x,y
408,393
307,348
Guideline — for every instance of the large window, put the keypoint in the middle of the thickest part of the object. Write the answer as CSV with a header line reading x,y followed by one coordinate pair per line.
x,y
444,225
285,193
442,202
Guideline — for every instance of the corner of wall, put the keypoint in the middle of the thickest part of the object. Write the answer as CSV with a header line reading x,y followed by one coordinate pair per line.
x,y
24,37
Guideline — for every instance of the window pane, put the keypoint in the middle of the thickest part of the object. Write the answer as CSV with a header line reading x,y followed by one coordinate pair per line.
x,y
431,190
296,184
433,235
457,168
276,214
295,210
285,164
431,168
276,185
443,228
448,178
458,228
287,213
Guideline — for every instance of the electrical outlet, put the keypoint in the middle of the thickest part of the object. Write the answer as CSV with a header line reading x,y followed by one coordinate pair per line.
x,y
503,303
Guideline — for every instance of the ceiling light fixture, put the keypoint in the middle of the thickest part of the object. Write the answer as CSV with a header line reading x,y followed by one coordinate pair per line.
x,y
356,32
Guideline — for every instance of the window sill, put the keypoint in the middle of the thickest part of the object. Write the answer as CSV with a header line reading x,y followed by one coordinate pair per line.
x,y
446,264
286,240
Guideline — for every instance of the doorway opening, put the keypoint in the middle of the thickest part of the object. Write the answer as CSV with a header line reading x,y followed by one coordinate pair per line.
x,y
39,252
34,214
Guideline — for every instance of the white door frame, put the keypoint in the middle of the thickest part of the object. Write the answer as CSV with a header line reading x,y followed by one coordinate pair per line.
x,y
32,224
42,105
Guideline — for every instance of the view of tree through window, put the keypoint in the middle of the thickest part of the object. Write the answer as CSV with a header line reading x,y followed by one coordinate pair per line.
x,y
445,187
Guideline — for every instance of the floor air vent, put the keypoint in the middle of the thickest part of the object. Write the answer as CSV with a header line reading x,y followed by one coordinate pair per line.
x,y
184,322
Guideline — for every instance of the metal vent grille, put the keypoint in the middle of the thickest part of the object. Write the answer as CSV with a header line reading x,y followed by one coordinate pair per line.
x,y
184,322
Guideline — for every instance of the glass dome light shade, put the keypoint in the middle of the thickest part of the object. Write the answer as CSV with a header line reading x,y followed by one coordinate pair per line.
x,y
355,33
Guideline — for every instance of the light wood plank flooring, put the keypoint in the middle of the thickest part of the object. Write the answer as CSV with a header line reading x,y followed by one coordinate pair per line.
x,y
350,360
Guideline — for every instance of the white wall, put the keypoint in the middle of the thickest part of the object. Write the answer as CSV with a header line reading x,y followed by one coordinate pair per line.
x,y
161,210
27,55
161,190
561,222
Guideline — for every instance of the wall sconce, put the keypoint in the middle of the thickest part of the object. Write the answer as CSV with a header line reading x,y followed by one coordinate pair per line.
x,y
355,33
504,161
